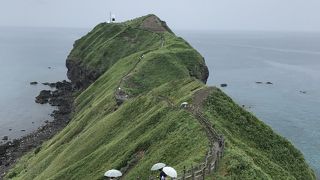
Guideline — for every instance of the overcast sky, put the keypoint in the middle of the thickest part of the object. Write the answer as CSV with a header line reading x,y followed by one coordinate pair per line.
x,y
276,15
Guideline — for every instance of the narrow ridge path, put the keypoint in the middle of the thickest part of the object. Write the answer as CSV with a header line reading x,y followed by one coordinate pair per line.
x,y
120,95
216,141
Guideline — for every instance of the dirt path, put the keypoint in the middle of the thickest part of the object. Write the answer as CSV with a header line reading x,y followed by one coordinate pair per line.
x,y
197,108
216,141
120,95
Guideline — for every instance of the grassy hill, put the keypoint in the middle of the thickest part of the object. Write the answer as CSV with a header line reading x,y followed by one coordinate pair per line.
x,y
154,71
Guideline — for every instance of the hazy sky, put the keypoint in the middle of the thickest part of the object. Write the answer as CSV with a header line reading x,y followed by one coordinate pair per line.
x,y
294,15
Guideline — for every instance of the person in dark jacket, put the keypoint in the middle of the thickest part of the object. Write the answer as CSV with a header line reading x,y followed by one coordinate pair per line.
x,y
162,175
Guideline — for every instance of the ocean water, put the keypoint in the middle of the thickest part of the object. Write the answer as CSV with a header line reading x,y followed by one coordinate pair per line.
x,y
291,61
26,55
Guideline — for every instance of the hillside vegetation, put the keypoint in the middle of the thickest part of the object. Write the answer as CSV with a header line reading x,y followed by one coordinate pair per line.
x,y
156,71
253,150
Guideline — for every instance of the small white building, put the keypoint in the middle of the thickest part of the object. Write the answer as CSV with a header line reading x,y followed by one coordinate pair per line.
x,y
112,18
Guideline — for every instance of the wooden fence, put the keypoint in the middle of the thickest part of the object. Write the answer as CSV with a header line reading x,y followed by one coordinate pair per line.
x,y
214,155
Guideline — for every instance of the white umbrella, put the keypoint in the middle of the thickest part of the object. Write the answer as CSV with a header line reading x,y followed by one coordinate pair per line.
x,y
170,172
158,166
113,173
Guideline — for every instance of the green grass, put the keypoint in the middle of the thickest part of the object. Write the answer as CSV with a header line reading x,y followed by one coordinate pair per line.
x,y
253,150
147,129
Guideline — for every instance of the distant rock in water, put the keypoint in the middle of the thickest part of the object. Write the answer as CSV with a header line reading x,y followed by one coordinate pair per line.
x,y
5,138
52,85
33,83
303,92
223,85
269,83
55,98
258,82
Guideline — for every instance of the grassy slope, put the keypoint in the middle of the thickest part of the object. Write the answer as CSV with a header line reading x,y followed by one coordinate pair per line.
x,y
253,150
146,128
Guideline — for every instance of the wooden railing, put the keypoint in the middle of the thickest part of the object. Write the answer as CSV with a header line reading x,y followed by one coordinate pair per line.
x,y
214,154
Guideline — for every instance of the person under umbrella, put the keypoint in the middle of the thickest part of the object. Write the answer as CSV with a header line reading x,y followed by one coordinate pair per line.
x,y
170,172
159,166
113,173
163,175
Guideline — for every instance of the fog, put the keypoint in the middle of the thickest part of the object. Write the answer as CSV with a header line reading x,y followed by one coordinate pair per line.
x,y
266,15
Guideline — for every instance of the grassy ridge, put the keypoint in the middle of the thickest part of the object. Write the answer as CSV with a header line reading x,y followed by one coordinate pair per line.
x,y
253,150
149,127
144,130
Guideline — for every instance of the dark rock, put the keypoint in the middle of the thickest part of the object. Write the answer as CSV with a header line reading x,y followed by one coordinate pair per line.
x,y
201,73
81,76
23,130
52,85
223,85
10,129
258,82
15,142
269,83
5,138
64,85
303,92
49,67
57,101
3,149
204,75
33,83
43,97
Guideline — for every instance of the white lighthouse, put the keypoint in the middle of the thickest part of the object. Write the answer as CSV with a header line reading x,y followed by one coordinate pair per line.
x,y
112,18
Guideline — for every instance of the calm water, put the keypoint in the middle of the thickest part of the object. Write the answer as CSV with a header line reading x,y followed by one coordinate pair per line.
x,y
25,55
291,61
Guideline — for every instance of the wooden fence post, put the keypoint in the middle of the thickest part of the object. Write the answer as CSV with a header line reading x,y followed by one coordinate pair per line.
x,y
192,172
203,173
184,173
215,165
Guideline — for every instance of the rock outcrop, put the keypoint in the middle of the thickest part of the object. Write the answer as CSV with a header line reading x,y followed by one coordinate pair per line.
x,y
80,75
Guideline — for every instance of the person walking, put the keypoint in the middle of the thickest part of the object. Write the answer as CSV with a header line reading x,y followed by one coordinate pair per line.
x,y
162,175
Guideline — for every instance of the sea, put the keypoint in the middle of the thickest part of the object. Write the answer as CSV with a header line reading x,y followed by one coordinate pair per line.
x,y
288,60
28,55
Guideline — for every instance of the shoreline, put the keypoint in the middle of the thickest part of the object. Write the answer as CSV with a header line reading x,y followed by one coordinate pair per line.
x,y
62,98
